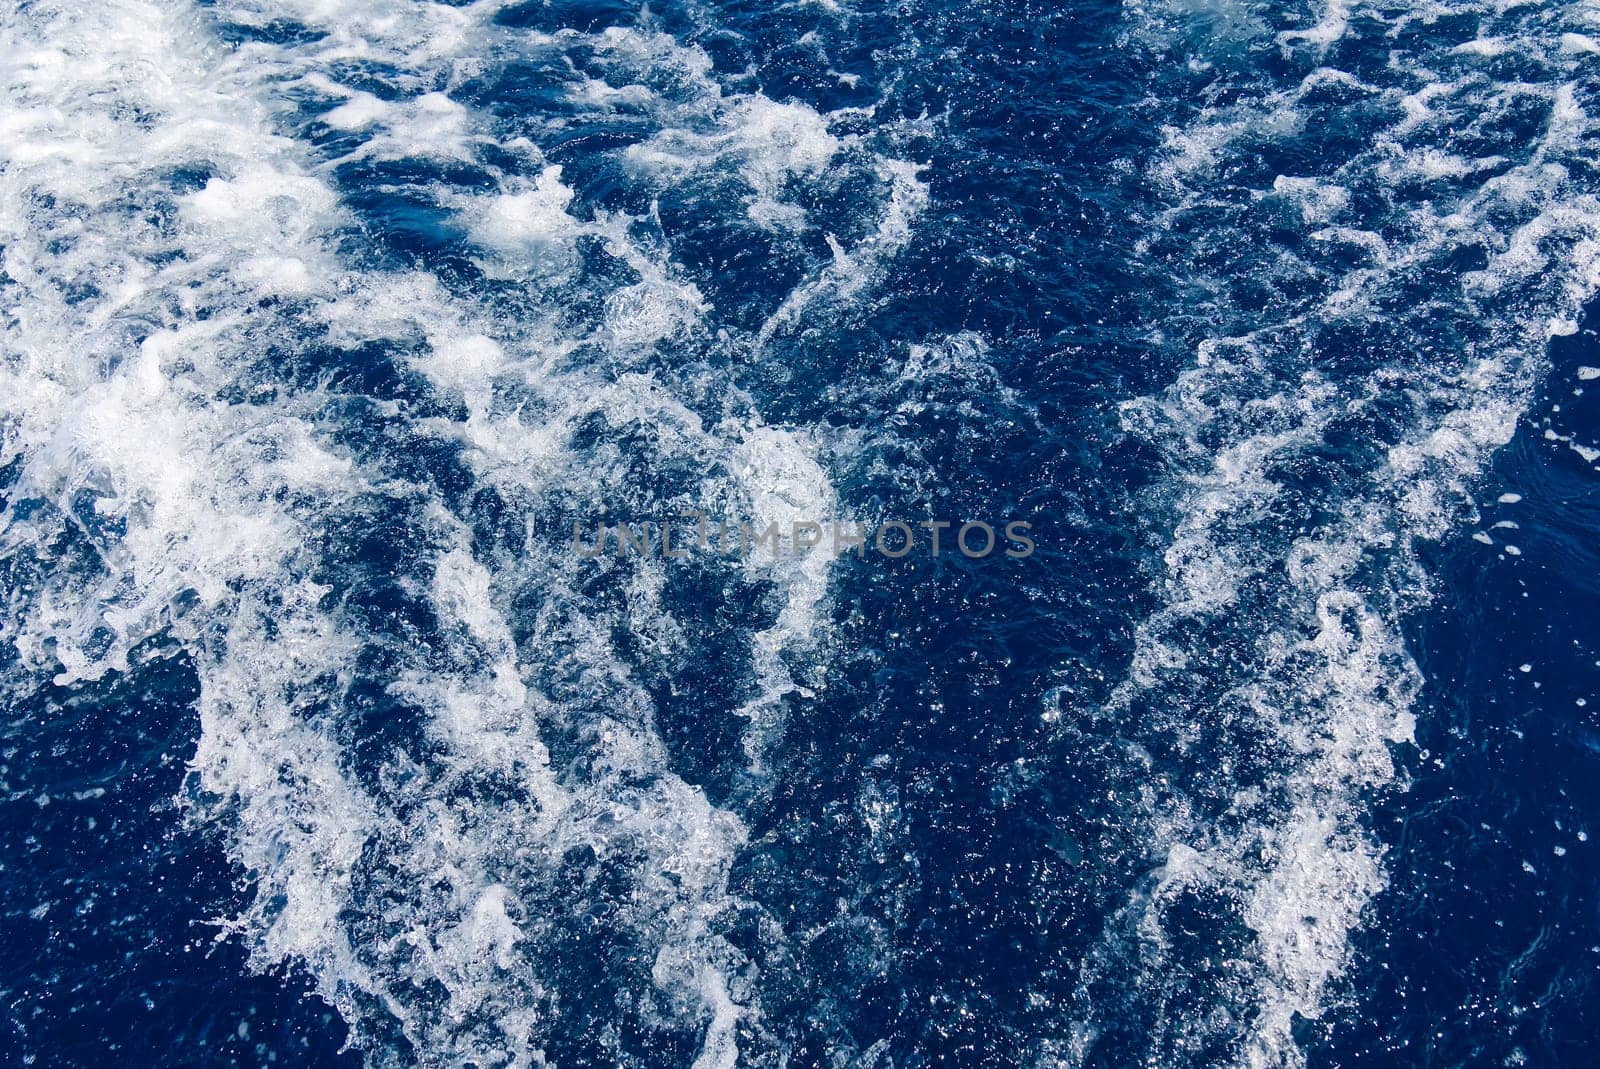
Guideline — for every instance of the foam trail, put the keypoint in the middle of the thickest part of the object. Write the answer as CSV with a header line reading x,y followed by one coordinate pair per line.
x,y
239,421
1333,420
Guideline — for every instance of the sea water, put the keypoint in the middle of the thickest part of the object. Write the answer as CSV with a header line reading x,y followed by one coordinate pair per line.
x,y
324,323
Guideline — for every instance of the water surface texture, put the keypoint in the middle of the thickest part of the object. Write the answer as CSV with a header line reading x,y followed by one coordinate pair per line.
x,y
323,322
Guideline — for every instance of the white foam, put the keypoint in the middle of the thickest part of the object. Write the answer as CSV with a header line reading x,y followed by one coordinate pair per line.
x,y
1318,202
359,112
1329,28
771,143
146,371
526,229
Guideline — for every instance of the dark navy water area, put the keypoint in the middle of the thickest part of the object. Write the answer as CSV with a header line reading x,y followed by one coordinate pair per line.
x,y
1480,948
324,324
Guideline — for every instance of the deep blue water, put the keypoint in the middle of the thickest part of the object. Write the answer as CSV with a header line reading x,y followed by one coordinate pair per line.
x,y
324,323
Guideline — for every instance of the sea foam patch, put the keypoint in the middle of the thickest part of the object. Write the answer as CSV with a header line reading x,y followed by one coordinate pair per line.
x,y
434,745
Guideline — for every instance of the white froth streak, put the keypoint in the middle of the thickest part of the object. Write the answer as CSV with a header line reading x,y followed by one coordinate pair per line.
x,y
1317,860
194,480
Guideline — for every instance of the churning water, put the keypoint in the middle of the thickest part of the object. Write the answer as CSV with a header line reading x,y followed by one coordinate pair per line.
x,y
324,322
